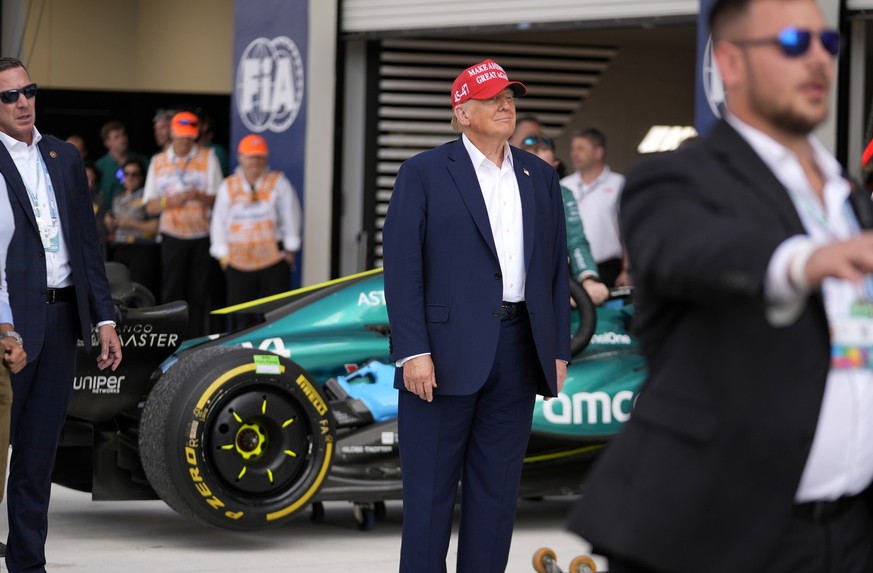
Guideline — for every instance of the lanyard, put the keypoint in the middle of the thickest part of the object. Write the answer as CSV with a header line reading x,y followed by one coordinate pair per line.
x,y
34,197
817,216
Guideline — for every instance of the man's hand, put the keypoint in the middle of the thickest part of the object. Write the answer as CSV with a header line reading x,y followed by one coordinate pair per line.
x,y
14,356
110,348
597,291
561,368
849,260
419,378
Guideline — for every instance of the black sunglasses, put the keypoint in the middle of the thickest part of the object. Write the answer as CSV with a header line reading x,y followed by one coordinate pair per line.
x,y
537,141
11,96
795,42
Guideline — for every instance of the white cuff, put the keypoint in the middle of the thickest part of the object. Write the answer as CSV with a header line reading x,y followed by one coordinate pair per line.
x,y
402,361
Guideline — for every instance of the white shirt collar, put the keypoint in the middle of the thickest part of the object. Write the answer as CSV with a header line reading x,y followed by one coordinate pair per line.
x,y
171,153
478,157
12,144
774,153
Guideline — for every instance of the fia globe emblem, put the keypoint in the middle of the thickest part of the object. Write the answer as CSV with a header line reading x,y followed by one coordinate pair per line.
x,y
713,85
269,84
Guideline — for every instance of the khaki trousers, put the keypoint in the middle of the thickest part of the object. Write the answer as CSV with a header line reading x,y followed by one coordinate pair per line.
x,y
5,414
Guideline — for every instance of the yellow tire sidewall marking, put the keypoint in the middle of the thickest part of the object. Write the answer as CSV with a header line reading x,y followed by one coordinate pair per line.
x,y
224,378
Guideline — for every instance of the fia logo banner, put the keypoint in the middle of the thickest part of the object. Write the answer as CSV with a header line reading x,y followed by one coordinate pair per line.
x,y
269,84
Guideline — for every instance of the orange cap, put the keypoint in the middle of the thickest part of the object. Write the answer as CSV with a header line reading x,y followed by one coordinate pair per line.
x,y
185,124
252,145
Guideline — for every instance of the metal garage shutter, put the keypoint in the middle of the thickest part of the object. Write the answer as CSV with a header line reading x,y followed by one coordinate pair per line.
x,y
374,16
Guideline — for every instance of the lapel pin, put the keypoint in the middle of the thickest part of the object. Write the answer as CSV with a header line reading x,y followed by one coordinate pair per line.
x,y
53,154
526,172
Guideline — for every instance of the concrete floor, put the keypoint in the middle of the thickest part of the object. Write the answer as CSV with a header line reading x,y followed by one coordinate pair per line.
x,y
138,537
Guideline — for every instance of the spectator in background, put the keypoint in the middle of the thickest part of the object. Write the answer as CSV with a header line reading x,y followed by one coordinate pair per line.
x,y
525,126
180,187
597,190
583,268
161,121
207,133
255,228
114,137
97,204
79,143
134,232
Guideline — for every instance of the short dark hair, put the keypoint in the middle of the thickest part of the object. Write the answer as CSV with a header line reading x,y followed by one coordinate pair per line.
x,y
593,135
109,127
9,63
135,161
723,12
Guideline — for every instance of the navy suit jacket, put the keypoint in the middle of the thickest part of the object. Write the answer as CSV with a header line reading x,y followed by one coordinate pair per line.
x,y
442,274
25,260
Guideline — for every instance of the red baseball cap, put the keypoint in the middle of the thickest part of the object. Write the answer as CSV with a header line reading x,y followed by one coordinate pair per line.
x,y
482,81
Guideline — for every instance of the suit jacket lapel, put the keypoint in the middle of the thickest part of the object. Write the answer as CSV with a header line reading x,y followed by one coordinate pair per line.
x,y
464,175
861,204
15,185
528,202
746,165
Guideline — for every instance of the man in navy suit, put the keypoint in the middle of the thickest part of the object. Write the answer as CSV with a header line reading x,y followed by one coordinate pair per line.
x,y
57,289
476,284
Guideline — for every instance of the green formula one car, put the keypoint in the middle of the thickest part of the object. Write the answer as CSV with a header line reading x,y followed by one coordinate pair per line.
x,y
246,429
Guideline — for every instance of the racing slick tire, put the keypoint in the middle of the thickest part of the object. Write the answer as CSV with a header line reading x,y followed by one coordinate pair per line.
x,y
587,318
236,438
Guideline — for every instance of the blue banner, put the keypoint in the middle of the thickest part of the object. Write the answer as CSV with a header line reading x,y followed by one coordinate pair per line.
x,y
271,40
709,91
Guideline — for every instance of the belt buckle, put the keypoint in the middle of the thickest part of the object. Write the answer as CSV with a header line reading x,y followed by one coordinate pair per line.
x,y
508,311
51,296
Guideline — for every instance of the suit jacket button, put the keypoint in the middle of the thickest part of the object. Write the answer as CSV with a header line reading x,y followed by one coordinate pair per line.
x,y
495,314
498,277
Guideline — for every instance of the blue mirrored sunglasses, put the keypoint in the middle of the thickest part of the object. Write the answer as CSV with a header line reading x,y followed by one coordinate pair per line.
x,y
11,96
537,141
795,42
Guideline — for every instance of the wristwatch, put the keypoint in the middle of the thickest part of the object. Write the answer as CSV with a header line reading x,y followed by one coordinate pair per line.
x,y
14,336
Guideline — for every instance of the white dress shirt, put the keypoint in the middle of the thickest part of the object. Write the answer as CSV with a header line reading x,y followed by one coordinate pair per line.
x,y
598,207
36,179
7,228
503,202
841,459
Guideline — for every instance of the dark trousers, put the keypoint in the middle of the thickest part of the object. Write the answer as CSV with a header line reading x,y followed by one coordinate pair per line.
x,y
243,286
480,439
144,262
185,266
841,543
42,392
